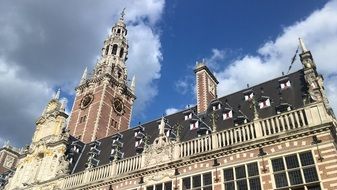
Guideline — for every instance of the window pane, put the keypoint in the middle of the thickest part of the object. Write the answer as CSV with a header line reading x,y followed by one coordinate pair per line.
x,y
207,179
292,161
168,185
254,183
306,158
207,188
159,187
242,184
240,172
295,177
298,188
310,174
196,181
281,180
149,188
228,174
314,187
229,186
253,169
187,183
277,164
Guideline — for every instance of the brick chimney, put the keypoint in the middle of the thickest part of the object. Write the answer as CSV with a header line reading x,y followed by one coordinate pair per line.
x,y
206,86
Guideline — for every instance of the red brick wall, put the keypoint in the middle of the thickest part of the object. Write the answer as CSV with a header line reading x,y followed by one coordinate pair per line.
x,y
99,114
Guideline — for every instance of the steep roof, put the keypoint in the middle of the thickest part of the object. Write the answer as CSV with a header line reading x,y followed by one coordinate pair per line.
x,y
241,108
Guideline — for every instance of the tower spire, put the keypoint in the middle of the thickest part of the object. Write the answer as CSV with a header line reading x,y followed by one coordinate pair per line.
x,y
122,14
133,84
302,45
110,76
57,95
84,76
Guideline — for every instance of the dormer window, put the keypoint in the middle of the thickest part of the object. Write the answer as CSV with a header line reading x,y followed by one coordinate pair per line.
x,y
95,144
188,116
194,125
240,119
248,95
283,107
216,105
284,83
227,114
116,147
137,143
264,102
139,138
76,147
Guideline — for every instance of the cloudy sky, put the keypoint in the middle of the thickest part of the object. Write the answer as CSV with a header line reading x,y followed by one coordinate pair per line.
x,y
45,45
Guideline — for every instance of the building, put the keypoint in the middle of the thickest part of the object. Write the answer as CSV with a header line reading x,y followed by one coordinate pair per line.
x,y
280,134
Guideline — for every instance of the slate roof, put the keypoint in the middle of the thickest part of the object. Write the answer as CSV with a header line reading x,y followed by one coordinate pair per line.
x,y
236,102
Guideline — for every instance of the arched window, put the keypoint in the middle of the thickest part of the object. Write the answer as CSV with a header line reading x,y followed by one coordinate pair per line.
x,y
114,49
107,50
121,52
118,31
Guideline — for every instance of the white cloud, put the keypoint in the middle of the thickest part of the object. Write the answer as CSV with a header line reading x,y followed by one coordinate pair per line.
x,y
185,85
319,30
46,44
21,103
214,60
144,62
170,111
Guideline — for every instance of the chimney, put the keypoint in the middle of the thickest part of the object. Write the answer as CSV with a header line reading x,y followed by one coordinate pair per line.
x,y
206,86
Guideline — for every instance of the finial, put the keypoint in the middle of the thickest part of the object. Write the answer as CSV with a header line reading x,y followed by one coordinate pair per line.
x,y
63,104
6,144
133,84
303,48
123,14
162,126
57,95
84,76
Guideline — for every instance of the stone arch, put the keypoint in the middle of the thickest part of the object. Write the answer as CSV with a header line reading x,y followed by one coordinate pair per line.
x,y
107,50
121,52
114,49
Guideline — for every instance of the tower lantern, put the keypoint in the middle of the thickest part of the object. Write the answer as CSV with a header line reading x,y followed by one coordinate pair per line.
x,y
103,102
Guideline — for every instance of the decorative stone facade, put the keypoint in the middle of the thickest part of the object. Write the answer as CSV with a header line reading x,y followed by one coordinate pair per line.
x,y
277,135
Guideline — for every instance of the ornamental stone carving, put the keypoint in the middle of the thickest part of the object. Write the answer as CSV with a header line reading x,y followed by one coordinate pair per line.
x,y
161,151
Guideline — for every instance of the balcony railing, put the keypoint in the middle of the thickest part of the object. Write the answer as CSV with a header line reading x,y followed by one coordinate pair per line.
x,y
309,116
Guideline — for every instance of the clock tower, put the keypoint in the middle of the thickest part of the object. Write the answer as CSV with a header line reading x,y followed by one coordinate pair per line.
x,y
103,102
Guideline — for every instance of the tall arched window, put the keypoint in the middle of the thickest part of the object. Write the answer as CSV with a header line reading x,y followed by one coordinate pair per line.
x,y
114,49
121,52
107,50
118,31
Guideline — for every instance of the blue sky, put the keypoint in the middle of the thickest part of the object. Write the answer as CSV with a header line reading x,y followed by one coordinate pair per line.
x,y
45,45
189,31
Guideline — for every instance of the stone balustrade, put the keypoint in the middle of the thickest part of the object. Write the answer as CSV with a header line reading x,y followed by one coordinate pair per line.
x,y
310,116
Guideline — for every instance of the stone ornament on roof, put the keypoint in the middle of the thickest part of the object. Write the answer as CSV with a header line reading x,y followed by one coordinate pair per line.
x,y
161,150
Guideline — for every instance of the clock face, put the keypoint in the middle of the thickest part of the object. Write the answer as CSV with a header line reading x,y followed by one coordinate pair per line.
x,y
86,101
211,87
118,106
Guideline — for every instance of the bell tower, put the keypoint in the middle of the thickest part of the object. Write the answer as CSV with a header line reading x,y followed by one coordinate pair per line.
x,y
103,102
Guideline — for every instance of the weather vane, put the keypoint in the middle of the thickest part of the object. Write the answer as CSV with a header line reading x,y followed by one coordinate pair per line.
x,y
123,13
